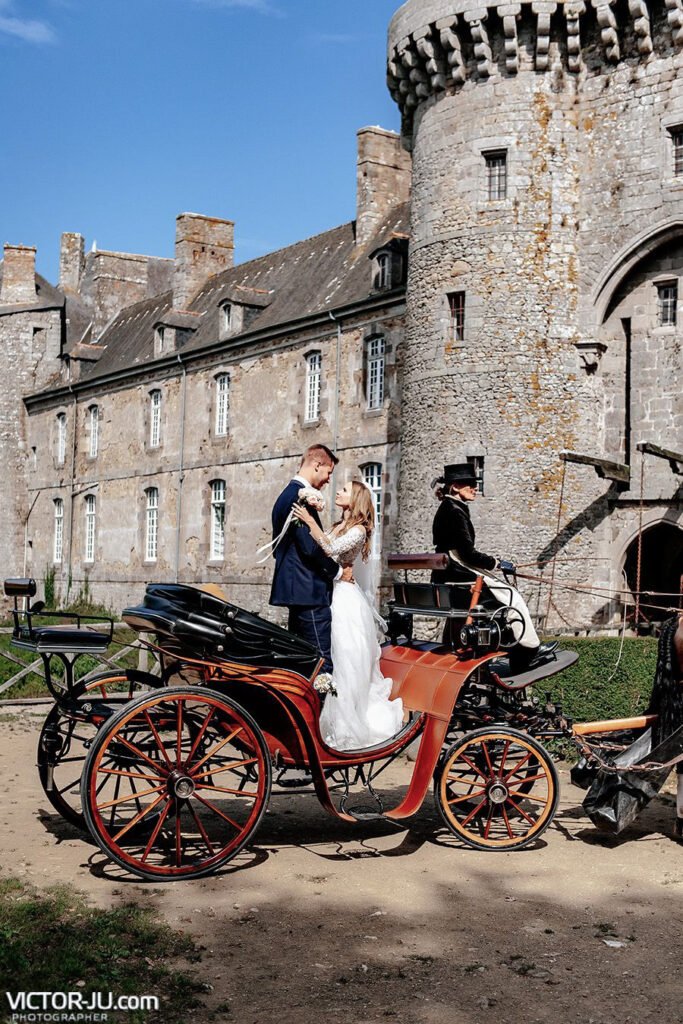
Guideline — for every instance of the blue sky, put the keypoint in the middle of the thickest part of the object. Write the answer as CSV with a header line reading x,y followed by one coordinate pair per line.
x,y
119,114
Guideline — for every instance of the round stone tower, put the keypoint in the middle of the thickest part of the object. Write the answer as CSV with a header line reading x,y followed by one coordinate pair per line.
x,y
547,244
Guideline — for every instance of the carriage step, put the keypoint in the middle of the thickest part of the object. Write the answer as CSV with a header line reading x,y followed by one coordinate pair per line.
x,y
363,813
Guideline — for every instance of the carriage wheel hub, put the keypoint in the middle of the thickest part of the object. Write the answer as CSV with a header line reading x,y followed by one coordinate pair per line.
x,y
181,785
498,793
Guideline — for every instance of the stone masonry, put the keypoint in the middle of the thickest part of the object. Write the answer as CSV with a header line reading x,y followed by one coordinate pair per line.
x,y
542,158
133,326
584,102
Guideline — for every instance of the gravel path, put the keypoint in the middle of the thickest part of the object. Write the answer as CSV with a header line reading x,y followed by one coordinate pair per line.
x,y
320,920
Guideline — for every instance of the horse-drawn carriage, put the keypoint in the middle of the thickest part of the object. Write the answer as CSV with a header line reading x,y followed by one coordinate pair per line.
x,y
172,773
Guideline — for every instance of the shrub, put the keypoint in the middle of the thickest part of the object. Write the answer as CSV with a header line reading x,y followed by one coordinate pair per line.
x,y
592,689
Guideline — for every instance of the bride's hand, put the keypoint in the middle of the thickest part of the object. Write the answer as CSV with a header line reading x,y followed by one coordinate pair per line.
x,y
347,575
302,514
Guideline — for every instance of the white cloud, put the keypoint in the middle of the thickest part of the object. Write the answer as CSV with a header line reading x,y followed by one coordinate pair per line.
x,y
27,29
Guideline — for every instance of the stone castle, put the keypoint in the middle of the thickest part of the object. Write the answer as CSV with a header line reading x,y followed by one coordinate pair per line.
x,y
507,294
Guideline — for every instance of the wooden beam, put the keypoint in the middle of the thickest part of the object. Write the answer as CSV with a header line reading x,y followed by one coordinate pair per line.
x,y
675,459
605,469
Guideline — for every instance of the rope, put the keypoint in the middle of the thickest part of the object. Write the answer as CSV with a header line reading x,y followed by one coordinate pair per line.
x,y
557,534
639,562
623,595
623,637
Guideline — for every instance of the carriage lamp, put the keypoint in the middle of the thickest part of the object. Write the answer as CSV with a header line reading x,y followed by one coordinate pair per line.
x,y
483,636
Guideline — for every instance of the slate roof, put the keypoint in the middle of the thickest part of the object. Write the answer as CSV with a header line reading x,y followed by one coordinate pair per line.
x,y
322,273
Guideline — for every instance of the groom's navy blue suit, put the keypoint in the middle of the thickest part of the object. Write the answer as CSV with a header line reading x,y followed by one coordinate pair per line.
x,y
303,576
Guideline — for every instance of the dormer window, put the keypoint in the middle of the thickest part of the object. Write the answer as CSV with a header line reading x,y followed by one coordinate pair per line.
x,y
159,340
388,265
383,271
230,318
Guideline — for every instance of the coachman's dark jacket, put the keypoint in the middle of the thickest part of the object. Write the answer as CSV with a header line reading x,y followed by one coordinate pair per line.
x,y
453,531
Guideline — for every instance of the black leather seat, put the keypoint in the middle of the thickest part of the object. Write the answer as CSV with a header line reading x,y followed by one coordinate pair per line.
x,y
62,640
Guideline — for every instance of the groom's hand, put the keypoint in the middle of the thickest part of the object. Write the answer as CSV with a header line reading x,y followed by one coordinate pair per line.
x,y
347,575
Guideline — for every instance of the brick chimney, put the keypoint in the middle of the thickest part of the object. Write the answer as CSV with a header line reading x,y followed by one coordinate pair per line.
x,y
204,246
384,177
71,262
18,275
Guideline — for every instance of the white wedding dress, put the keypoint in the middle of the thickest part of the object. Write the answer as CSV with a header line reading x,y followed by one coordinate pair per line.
x,y
362,714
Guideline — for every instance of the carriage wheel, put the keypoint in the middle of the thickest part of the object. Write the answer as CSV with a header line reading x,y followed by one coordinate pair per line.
x,y
190,786
68,732
497,789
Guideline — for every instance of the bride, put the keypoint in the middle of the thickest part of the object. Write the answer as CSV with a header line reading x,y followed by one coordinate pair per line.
x,y
362,712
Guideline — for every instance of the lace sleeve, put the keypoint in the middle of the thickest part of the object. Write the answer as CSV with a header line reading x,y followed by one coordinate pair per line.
x,y
344,548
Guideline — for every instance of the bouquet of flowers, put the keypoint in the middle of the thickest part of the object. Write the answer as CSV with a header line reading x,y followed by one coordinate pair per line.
x,y
314,499
324,684
306,496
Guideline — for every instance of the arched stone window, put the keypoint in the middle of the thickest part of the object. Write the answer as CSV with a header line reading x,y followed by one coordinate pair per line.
x,y
313,378
58,540
90,528
151,523
372,477
217,537
93,430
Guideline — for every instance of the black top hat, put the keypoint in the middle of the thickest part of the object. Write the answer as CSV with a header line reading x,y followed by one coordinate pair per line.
x,y
459,473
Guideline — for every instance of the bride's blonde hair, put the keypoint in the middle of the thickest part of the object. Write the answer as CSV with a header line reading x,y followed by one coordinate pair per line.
x,y
361,513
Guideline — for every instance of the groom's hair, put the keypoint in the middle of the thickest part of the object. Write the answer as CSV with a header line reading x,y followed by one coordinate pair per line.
x,y
319,453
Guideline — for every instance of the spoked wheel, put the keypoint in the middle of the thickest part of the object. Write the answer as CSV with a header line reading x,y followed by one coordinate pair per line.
x,y
497,789
190,784
70,728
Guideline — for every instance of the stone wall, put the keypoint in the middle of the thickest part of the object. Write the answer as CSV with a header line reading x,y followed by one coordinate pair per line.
x,y
113,280
590,179
30,342
256,459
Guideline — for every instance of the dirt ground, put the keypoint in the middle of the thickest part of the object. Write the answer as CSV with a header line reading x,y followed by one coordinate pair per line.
x,y
351,924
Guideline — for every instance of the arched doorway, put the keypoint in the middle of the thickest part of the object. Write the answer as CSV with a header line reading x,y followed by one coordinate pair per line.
x,y
661,570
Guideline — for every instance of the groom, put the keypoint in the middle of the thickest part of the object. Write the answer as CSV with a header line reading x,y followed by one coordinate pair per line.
x,y
303,573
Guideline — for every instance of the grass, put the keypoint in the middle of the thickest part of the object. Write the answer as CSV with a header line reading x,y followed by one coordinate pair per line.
x,y
33,685
587,691
53,941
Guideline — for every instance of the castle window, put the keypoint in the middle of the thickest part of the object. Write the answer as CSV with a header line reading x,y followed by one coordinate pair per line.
x,y
159,340
58,545
477,464
151,524
155,419
226,317
372,477
313,372
383,279
90,514
217,548
667,300
496,174
677,147
222,404
456,316
94,424
374,355
61,438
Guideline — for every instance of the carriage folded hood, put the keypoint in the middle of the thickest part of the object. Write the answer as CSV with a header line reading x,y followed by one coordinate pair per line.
x,y
195,624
